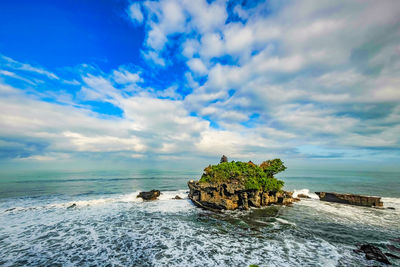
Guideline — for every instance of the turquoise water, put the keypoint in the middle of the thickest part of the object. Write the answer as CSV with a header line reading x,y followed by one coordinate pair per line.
x,y
111,227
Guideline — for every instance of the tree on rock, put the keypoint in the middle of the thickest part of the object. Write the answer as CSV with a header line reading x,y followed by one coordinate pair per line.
x,y
272,167
223,159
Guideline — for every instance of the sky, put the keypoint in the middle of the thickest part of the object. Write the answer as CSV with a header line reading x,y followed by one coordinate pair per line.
x,y
178,83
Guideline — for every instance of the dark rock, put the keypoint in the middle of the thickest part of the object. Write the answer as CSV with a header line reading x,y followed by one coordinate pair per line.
x,y
302,196
373,253
177,197
72,206
392,255
9,209
231,196
351,199
151,195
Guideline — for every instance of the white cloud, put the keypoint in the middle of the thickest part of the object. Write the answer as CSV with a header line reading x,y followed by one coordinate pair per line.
x,y
13,64
197,66
154,57
308,73
124,76
135,13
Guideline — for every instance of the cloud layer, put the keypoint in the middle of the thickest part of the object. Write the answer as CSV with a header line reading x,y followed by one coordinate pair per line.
x,y
294,79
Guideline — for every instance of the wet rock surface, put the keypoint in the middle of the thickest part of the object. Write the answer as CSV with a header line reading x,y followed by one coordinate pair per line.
x,y
351,199
231,196
302,196
373,253
151,195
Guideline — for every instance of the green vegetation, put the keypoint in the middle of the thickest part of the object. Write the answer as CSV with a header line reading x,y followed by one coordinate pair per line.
x,y
250,175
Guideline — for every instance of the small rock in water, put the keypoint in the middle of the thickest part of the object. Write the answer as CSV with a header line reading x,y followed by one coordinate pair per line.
x,y
302,196
177,197
373,253
151,195
9,209
72,206
390,208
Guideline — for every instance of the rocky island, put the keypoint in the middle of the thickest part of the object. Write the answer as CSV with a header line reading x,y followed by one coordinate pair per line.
x,y
239,185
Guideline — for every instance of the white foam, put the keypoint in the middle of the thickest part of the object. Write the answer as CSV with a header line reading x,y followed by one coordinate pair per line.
x,y
305,192
168,195
284,221
349,214
127,198
391,202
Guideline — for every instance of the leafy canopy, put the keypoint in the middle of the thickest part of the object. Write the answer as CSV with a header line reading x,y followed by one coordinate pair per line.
x,y
250,175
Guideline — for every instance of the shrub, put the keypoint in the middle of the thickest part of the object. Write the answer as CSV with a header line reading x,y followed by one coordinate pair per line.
x,y
250,175
272,167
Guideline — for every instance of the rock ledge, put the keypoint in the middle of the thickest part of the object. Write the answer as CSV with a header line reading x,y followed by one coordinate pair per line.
x,y
351,199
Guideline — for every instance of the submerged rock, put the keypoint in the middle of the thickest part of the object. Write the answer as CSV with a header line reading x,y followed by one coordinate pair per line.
x,y
231,196
373,253
72,206
151,195
351,199
177,197
302,196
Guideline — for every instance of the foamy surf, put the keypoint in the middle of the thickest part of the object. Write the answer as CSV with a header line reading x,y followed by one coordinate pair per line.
x,y
127,198
305,192
124,230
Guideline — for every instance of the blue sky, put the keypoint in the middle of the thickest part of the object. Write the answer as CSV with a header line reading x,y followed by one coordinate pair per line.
x,y
157,83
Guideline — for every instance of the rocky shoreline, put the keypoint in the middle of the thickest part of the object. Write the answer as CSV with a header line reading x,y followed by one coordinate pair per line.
x,y
232,196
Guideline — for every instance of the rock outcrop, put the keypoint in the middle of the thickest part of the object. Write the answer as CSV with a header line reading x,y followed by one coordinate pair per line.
x,y
351,199
231,196
151,195
72,206
373,253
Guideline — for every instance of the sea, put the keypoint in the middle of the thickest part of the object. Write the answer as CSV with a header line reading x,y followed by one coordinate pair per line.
x,y
110,226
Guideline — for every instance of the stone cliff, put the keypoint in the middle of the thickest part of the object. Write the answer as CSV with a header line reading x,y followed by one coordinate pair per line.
x,y
231,196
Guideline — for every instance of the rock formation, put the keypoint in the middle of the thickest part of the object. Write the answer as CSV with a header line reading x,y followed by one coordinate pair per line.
x,y
373,253
351,199
231,196
151,195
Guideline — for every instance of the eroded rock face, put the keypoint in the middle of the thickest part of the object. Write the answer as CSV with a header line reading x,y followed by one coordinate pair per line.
x,y
223,196
351,199
151,195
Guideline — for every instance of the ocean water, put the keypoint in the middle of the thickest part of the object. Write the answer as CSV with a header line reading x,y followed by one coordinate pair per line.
x,y
109,226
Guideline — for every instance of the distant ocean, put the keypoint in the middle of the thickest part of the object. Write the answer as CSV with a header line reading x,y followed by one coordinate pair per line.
x,y
109,226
